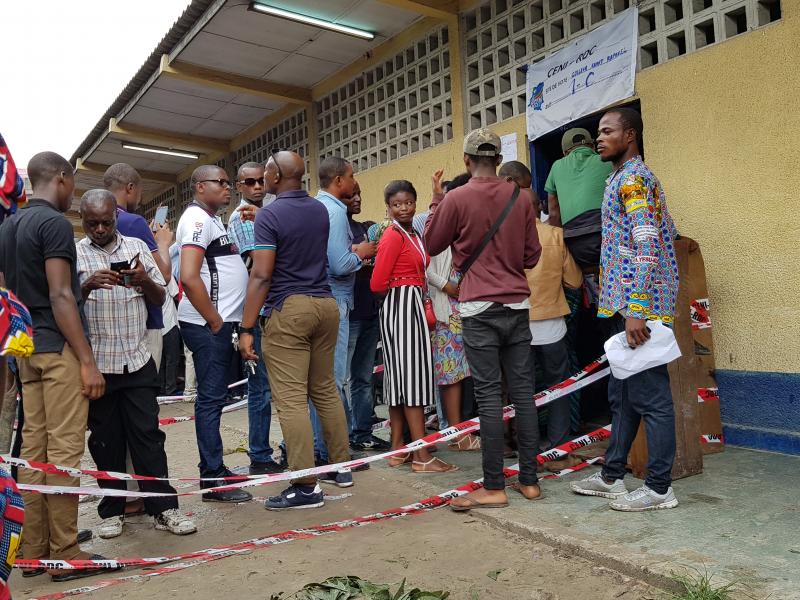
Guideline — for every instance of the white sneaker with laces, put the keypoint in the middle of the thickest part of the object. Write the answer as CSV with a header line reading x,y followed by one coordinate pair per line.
x,y
645,499
111,527
595,485
173,521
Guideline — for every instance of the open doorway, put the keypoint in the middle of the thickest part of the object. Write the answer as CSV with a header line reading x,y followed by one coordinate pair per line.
x,y
584,336
547,149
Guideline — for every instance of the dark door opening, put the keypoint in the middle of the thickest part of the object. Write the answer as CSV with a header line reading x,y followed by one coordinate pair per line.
x,y
547,149
586,339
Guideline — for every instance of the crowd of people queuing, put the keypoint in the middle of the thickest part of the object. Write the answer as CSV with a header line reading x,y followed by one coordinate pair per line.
x,y
296,293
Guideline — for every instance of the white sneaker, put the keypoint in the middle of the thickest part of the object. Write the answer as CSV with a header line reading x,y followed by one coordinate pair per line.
x,y
596,486
173,521
111,527
645,499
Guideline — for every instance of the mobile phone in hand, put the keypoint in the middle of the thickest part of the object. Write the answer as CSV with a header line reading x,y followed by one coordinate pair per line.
x,y
121,266
161,216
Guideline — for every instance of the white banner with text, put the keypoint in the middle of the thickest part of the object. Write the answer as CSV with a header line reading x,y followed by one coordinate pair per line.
x,y
595,71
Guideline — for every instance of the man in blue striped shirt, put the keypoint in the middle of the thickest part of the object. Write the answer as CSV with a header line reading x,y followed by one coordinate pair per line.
x,y
250,184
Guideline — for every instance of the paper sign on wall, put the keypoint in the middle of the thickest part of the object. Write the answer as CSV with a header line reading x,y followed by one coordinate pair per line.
x,y
509,147
595,71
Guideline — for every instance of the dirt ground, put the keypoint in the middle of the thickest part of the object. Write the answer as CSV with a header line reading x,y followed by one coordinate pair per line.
x,y
437,550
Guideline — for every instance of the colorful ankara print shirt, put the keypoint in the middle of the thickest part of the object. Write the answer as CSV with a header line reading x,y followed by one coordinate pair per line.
x,y
639,271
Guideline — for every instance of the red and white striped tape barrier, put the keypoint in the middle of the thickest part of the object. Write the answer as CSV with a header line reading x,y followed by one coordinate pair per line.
x,y
558,388
186,397
283,538
230,408
698,312
707,395
577,381
416,508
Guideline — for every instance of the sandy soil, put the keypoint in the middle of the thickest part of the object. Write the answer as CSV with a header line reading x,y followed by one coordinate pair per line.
x,y
438,550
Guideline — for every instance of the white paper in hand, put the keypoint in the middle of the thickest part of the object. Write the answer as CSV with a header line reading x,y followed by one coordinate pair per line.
x,y
660,349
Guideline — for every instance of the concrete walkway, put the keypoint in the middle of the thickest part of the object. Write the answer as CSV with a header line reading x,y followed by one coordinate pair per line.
x,y
739,520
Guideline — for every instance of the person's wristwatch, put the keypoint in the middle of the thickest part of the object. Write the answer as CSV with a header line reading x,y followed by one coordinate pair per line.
x,y
250,330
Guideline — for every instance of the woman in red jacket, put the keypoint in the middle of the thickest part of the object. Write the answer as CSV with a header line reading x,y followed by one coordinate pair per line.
x,y
399,272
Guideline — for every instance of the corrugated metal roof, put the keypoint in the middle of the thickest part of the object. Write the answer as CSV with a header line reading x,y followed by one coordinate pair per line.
x,y
184,23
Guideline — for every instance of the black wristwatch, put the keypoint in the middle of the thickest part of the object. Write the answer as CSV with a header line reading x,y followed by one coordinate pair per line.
x,y
250,330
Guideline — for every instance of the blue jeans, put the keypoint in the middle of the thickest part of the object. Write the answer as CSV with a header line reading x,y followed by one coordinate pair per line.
x,y
212,359
339,372
646,395
259,407
361,349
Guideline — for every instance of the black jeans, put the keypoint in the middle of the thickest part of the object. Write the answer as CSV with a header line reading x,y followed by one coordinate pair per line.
x,y
170,359
126,417
554,362
497,342
646,395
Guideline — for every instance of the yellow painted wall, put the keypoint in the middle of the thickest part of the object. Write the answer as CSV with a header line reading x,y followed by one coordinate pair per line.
x,y
721,128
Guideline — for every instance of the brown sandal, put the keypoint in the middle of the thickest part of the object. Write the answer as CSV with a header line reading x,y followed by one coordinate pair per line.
x,y
399,460
468,443
465,503
426,467
517,486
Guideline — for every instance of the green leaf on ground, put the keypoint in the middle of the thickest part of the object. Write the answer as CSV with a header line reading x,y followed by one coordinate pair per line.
x,y
355,588
494,574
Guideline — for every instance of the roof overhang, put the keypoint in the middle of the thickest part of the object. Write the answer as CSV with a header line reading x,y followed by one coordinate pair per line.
x,y
222,70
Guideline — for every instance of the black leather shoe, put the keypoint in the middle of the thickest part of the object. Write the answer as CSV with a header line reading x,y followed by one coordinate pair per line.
x,y
265,468
84,535
232,496
60,575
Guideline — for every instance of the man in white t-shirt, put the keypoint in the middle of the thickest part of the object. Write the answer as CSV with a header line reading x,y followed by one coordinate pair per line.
x,y
214,281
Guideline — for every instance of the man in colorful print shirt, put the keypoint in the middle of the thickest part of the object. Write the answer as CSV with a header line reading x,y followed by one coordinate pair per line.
x,y
638,282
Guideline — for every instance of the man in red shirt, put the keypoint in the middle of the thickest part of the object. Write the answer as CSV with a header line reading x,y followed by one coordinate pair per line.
x,y
493,302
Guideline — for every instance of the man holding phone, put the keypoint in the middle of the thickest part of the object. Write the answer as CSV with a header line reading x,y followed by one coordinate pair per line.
x,y
214,280
117,275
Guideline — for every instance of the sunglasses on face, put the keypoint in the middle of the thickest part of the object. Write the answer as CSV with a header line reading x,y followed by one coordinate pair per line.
x,y
251,181
222,182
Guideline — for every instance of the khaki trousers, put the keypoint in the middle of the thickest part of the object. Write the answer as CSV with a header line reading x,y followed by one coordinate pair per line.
x,y
55,428
298,346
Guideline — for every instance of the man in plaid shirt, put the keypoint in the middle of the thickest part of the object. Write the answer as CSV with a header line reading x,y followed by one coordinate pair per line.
x,y
118,274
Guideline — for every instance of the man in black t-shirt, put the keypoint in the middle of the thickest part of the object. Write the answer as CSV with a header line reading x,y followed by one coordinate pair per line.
x,y
38,258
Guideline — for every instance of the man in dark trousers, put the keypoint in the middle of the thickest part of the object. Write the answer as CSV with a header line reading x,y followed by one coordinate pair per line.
x,y
38,258
493,302
118,275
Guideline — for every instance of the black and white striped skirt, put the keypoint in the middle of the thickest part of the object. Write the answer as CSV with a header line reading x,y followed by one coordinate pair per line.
x,y
408,375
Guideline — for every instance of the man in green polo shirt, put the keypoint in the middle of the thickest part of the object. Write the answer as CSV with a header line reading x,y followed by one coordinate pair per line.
x,y
575,189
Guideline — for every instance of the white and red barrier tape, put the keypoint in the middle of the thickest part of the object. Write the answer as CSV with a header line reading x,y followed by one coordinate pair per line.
x,y
230,408
577,381
707,395
297,534
698,312
415,508
186,397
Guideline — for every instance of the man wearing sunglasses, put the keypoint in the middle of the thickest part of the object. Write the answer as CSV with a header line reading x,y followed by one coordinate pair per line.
x,y
250,185
214,279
